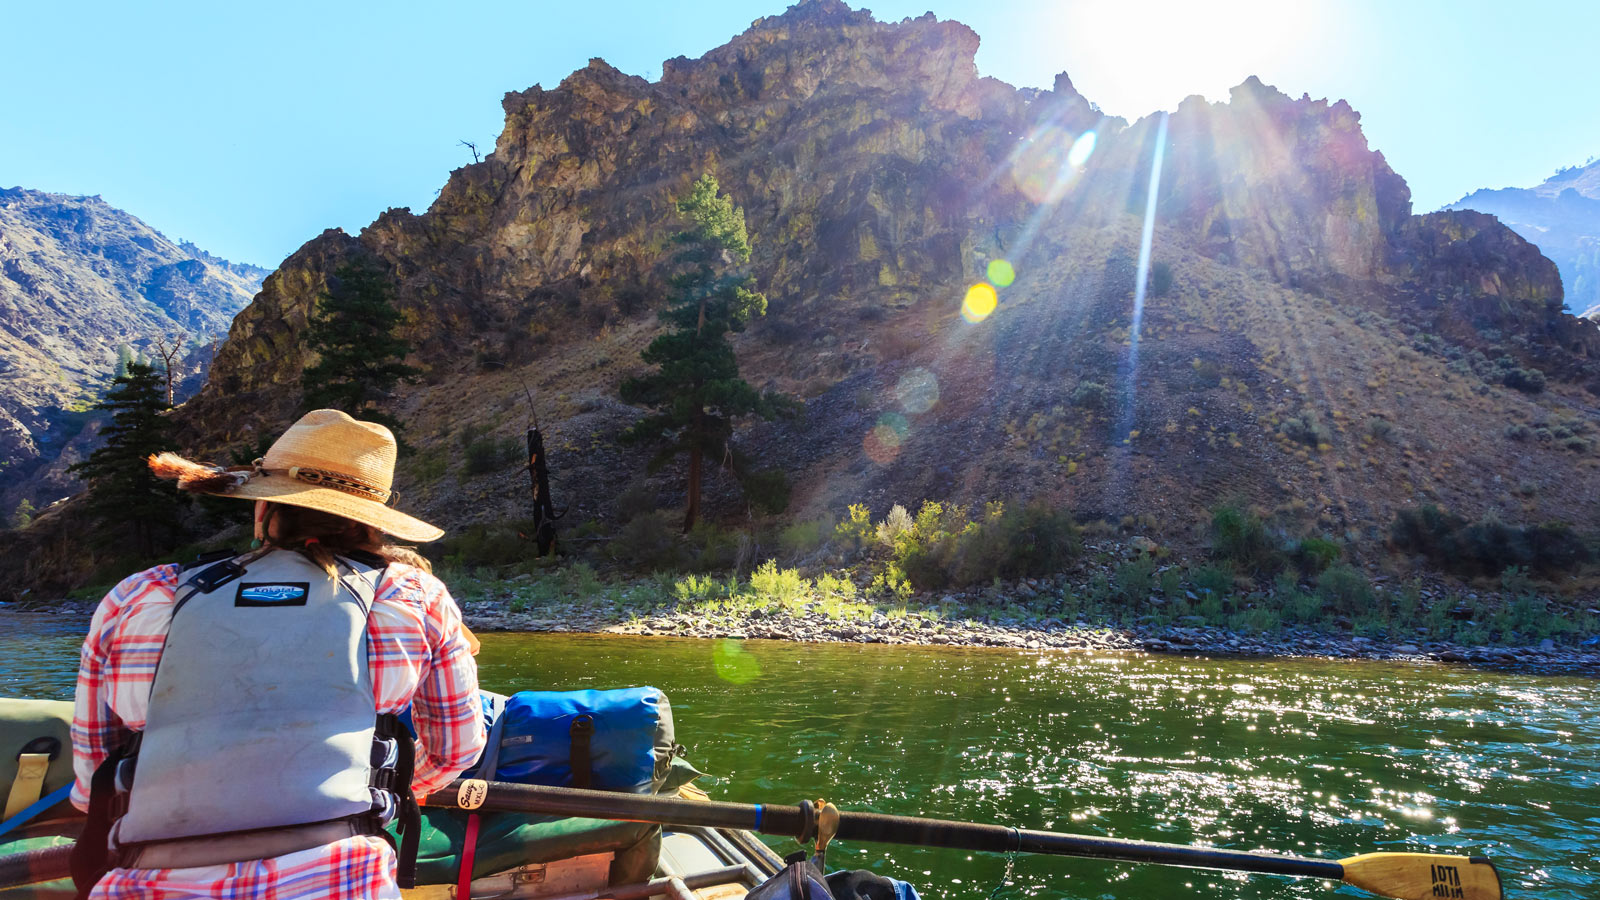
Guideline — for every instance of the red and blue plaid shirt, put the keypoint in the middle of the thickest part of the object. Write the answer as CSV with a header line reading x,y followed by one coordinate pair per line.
x,y
418,657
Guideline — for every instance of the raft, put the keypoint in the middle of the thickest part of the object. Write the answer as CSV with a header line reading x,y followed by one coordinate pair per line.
x,y
518,856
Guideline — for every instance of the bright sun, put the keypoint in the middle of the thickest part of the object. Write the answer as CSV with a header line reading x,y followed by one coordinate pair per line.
x,y
1136,58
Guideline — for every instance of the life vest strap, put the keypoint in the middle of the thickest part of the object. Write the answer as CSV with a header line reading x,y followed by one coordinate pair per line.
x,y
28,786
261,843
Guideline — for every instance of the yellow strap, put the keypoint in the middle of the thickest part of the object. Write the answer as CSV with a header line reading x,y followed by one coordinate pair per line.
x,y
28,786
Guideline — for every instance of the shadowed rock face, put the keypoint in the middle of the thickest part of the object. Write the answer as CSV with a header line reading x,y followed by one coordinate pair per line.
x,y
79,279
1560,216
879,173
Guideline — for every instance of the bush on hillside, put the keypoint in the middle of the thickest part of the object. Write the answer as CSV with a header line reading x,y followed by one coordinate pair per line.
x,y
1314,555
1160,279
1241,539
1306,428
942,548
1488,546
1091,395
1345,590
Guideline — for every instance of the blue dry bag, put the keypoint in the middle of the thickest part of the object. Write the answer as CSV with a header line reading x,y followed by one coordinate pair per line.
x,y
617,740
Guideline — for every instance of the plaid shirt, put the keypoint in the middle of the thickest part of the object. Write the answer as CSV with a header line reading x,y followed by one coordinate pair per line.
x,y
417,656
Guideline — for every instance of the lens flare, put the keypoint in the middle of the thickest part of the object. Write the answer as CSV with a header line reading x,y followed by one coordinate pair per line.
x,y
979,303
1000,273
1078,156
882,443
734,664
917,391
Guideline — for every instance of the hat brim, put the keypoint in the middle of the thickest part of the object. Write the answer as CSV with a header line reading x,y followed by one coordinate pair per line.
x,y
283,489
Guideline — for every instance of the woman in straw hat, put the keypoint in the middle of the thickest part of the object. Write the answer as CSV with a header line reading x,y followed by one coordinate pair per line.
x,y
269,753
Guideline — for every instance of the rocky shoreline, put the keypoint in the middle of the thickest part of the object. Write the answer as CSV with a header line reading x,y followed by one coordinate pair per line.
x,y
1040,634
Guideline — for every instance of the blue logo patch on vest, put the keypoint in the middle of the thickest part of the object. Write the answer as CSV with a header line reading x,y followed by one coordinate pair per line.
x,y
278,593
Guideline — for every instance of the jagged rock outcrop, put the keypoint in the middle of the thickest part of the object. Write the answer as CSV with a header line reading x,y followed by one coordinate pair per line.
x,y
1562,217
879,173
78,280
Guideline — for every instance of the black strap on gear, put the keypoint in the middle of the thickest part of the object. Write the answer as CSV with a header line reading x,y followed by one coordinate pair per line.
x,y
408,817
91,856
581,732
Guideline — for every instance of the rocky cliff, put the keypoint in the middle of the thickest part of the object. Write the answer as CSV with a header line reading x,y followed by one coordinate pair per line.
x,y
1310,346
79,281
1560,216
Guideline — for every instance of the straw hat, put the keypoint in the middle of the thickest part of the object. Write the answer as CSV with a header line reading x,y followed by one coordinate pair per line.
x,y
326,461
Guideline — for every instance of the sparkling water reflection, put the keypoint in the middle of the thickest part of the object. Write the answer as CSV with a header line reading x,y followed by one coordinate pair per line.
x,y
1311,757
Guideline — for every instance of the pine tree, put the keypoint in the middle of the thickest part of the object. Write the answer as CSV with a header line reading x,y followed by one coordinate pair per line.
x,y
696,390
136,510
22,516
352,330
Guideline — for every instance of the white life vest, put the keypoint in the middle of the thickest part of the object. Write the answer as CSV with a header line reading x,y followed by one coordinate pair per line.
x,y
259,739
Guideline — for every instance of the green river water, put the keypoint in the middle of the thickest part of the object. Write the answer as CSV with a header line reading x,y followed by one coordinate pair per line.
x,y
1320,758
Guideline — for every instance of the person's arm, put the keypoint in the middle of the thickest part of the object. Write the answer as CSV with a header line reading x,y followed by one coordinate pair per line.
x,y
445,710
95,728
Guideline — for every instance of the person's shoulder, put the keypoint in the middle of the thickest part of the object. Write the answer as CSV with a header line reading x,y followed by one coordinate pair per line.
x,y
156,578
407,582
155,584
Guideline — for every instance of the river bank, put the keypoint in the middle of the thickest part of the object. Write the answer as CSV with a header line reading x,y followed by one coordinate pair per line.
x,y
1032,634
1116,598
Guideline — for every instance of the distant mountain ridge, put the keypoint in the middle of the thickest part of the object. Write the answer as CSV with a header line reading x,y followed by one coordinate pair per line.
x,y
1313,349
81,280
1562,217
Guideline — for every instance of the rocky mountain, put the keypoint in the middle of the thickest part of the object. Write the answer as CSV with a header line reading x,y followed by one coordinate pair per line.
x,y
81,283
1309,346
1561,217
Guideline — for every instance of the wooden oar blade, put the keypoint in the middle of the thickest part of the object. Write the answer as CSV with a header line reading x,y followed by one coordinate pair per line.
x,y
1423,876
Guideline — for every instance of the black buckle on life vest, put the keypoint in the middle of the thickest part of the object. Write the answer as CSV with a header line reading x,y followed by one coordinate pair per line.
x,y
216,576
206,559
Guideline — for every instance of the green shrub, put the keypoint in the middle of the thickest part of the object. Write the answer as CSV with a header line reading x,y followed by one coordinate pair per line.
x,y
941,547
638,499
1529,381
1215,579
650,543
835,586
484,546
1240,538
1489,545
1091,395
1517,431
1314,554
1306,429
771,584
1381,429
1160,280
696,589
1134,580
429,465
801,538
856,531
767,490
485,455
1345,589
714,549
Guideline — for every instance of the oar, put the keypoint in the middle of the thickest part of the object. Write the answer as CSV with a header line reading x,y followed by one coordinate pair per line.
x,y
1405,876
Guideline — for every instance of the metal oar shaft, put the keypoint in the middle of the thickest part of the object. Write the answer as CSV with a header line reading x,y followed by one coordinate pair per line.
x,y
791,821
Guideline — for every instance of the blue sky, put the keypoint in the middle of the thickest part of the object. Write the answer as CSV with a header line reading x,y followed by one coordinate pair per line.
x,y
249,128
